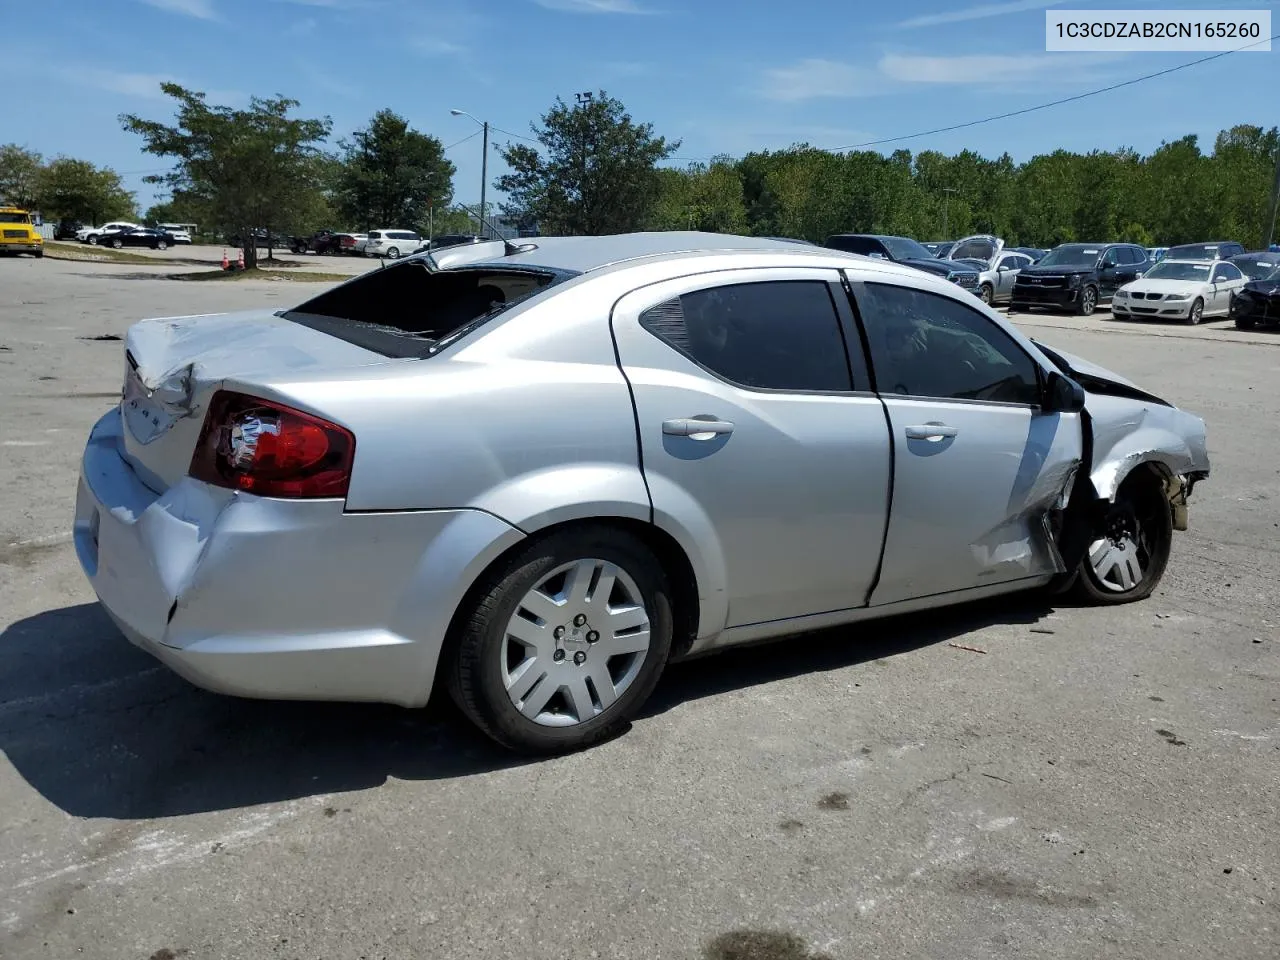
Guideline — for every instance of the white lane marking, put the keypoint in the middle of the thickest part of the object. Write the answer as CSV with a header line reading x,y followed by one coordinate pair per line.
x,y
48,541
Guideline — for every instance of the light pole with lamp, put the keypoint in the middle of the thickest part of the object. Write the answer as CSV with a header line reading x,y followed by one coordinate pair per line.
x,y
945,198
484,162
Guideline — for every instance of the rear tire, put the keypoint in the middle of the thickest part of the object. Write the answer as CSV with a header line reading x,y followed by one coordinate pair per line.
x,y
1129,550
497,648
162,245
117,243
393,253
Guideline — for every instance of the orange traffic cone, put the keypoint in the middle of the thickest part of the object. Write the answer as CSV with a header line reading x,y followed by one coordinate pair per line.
x,y
240,261
226,264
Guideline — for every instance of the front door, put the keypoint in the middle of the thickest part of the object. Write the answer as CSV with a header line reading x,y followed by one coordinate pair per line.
x,y
760,435
977,465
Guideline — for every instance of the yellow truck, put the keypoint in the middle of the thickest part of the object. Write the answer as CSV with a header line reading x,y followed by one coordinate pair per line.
x,y
18,234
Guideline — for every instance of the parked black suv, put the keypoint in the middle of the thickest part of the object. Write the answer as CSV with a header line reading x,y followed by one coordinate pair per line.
x,y
66,229
1076,277
907,252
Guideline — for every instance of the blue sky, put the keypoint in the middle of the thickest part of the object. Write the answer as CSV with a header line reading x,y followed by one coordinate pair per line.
x,y
723,76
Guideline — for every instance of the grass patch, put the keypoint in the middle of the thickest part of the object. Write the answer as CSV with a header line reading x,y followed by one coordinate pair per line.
x,y
87,254
257,273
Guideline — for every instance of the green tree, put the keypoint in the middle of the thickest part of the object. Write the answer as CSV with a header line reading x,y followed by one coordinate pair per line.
x,y
19,175
390,173
596,174
244,169
77,190
702,197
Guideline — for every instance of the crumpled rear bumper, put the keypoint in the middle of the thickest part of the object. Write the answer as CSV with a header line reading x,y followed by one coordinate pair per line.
x,y
276,599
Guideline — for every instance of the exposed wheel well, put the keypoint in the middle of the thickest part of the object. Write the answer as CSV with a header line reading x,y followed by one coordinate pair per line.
x,y
675,564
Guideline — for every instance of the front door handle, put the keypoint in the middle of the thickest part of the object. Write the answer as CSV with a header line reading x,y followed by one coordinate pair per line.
x,y
931,431
693,427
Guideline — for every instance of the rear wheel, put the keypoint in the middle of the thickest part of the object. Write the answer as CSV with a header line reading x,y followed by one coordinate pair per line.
x,y
117,243
564,643
393,253
1196,313
1129,548
162,245
1088,302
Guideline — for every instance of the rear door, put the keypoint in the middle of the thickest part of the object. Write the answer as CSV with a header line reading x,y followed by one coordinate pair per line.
x,y
760,434
977,464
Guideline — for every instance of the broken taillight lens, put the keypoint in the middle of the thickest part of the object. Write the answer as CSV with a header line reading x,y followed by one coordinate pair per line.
x,y
266,448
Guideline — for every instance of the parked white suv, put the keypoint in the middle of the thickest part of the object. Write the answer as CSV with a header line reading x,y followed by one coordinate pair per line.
x,y
91,234
391,243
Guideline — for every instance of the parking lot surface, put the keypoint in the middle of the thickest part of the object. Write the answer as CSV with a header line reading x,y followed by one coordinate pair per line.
x,y
1006,779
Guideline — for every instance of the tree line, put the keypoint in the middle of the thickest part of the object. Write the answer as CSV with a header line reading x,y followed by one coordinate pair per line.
x,y
63,188
591,168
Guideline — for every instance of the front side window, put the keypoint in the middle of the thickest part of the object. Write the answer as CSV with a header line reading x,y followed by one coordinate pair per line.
x,y
1225,271
773,335
927,345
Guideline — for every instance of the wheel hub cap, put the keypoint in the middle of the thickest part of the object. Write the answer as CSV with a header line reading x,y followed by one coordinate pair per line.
x,y
575,644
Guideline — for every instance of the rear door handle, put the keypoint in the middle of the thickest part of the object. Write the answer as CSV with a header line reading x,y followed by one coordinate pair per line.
x,y
692,427
931,431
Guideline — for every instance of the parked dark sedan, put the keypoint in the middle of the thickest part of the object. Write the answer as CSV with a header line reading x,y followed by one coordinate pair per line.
x,y
909,253
139,237
1259,302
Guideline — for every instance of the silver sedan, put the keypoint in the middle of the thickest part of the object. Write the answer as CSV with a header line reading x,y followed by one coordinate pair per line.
x,y
537,474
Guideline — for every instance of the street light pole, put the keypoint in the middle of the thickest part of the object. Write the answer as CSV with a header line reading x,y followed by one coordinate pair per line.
x,y
484,175
945,201
484,164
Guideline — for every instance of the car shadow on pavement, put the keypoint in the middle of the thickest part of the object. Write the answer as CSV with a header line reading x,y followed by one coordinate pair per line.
x,y
101,729
836,648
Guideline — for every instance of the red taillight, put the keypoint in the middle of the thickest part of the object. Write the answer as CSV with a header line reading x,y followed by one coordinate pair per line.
x,y
272,450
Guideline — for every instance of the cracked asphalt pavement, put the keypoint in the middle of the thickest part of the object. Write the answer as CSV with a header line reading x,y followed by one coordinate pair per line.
x,y
1004,779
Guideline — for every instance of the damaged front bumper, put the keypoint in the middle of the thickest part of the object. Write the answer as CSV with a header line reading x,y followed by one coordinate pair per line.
x,y
275,599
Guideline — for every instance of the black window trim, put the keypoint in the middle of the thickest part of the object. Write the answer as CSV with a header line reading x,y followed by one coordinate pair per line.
x,y
834,290
857,289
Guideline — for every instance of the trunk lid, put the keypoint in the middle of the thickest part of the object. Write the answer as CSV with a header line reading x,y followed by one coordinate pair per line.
x,y
173,365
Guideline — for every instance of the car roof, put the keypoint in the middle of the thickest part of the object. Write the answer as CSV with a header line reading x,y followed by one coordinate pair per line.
x,y
586,254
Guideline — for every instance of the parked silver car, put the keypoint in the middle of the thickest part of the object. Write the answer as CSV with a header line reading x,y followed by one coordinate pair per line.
x,y
997,267
539,473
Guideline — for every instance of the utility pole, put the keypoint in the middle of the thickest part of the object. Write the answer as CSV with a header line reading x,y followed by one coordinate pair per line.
x,y
945,200
1270,236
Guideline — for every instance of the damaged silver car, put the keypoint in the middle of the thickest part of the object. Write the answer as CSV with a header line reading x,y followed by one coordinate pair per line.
x,y
536,474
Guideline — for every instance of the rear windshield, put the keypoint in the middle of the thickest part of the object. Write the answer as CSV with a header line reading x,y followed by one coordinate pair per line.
x,y
1194,251
1257,269
15,218
409,311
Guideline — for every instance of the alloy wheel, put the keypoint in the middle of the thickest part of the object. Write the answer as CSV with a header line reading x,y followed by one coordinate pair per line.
x,y
575,644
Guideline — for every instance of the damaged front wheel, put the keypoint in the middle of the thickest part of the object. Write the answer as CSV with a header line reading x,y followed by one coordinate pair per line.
x,y
1130,546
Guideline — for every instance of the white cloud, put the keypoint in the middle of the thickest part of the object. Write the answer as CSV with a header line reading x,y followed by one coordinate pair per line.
x,y
979,12
814,78
982,70
200,9
593,6
437,47
144,86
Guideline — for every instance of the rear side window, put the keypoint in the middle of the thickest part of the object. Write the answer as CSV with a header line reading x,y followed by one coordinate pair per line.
x,y
402,235
926,345
773,335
